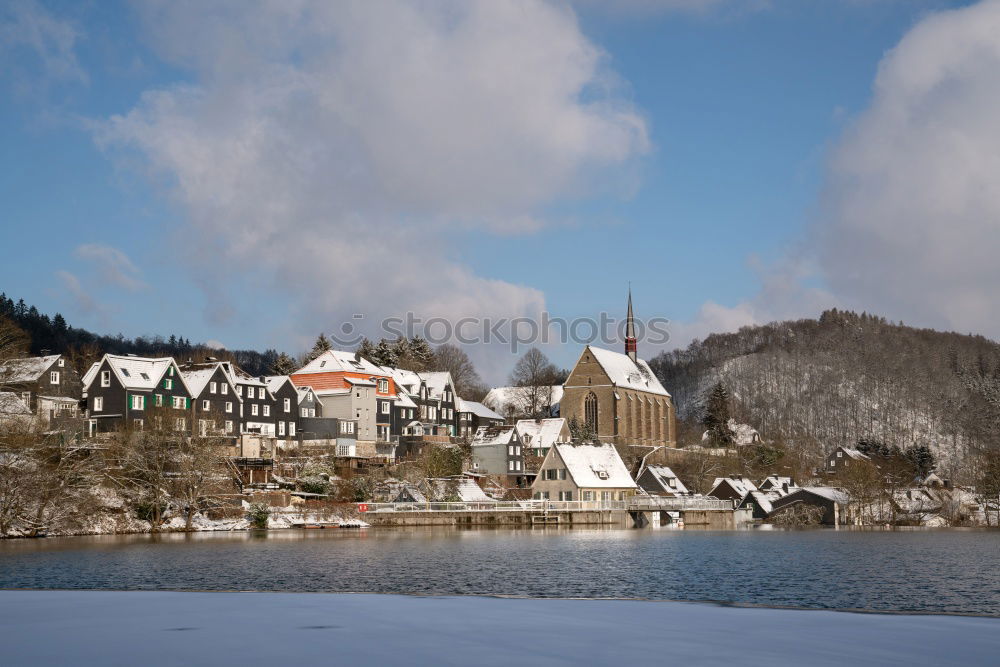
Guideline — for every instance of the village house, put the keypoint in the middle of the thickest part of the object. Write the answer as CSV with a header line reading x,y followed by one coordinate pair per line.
x,y
286,407
776,482
472,415
48,385
841,459
123,391
619,397
592,472
538,435
732,488
215,402
309,404
350,387
496,450
661,481
834,502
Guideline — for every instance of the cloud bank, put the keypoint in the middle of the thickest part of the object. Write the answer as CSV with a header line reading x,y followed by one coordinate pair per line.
x,y
340,149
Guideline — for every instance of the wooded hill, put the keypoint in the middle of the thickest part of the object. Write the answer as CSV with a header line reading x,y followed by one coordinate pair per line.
x,y
845,377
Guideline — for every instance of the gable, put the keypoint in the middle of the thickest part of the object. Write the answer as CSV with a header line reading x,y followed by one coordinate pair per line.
x,y
587,371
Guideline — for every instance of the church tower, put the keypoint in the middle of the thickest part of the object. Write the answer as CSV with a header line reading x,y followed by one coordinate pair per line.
x,y
630,342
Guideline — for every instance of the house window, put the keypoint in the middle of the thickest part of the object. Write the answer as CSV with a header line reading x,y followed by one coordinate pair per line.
x,y
206,406
562,473
383,386
250,392
170,371
138,402
61,363
105,378
281,428
586,495
305,412
225,388
158,400
312,412
565,495
239,390
590,410
229,406
542,495
98,403
840,454
606,495
212,387
253,409
267,410
510,466
54,377
229,424
347,427
180,424
518,465
510,450
288,405
291,429
385,407
168,384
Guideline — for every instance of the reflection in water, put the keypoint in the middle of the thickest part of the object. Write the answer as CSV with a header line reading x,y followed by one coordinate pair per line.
x,y
916,570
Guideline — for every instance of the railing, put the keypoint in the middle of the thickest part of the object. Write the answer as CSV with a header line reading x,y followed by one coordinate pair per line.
x,y
638,503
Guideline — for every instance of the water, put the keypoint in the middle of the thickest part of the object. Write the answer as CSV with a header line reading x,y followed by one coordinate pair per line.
x,y
955,571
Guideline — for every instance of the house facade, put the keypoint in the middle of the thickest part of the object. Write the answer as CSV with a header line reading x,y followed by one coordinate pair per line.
x,y
124,392
496,450
589,473
286,406
539,435
216,405
661,481
472,415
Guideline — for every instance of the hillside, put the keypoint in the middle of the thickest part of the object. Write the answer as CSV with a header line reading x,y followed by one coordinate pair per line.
x,y
832,381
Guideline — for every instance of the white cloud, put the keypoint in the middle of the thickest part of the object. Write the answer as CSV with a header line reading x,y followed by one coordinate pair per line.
x,y
113,266
26,27
80,299
911,224
339,146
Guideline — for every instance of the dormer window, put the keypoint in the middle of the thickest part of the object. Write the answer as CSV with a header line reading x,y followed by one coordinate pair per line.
x,y
322,363
126,373
144,376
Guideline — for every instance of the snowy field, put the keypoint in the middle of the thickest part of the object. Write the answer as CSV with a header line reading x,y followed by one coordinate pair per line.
x,y
174,628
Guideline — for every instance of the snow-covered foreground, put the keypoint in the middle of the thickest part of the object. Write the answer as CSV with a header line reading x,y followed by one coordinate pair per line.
x,y
160,628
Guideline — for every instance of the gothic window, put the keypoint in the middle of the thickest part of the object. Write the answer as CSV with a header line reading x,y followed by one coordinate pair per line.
x,y
590,410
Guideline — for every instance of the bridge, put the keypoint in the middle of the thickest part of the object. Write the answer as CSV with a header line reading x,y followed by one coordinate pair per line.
x,y
640,511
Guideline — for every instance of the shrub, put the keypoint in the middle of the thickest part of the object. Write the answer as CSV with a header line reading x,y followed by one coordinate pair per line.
x,y
258,514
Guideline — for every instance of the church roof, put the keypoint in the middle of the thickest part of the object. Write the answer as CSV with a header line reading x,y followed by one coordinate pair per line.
x,y
626,373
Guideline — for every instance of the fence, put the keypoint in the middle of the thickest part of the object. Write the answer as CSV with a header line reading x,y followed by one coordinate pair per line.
x,y
638,503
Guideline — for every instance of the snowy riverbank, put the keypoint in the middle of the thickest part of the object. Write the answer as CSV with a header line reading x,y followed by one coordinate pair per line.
x,y
159,628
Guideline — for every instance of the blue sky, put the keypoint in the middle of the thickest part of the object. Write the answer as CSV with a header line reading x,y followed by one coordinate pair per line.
x,y
163,175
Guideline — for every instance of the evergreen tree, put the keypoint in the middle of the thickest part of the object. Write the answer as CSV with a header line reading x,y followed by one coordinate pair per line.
x,y
283,365
385,353
581,431
921,458
367,350
716,418
421,352
321,345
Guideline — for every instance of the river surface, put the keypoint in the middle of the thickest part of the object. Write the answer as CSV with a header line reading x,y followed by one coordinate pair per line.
x,y
955,571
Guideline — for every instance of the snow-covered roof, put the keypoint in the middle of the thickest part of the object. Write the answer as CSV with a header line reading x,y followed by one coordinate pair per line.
x,y
363,382
503,399
403,401
541,433
493,435
626,373
274,382
136,372
461,405
775,482
436,382
594,466
407,382
408,492
829,492
466,489
855,454
305,392
27,369
741,485
332,361
11,404
197,378
666,478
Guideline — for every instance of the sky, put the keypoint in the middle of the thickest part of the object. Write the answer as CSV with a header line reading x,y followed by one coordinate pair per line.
x,y
253,173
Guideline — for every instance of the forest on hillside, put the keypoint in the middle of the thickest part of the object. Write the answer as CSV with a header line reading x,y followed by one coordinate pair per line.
x,y
844,378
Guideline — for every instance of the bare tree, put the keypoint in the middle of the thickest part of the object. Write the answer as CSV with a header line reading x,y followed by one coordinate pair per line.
x,y
14,342
453,359
198,474
534,375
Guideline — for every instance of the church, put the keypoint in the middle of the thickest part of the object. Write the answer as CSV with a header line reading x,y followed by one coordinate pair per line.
x,y
619,396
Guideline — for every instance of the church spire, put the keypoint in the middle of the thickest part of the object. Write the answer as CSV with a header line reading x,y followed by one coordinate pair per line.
x,y
630,342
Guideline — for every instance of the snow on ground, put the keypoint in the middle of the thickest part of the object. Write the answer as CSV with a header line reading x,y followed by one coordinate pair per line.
x,y
159,628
